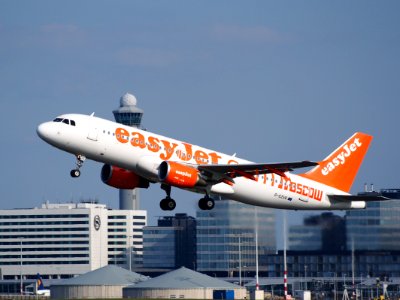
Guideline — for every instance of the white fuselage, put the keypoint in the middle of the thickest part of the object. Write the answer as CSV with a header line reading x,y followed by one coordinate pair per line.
x,y
140,151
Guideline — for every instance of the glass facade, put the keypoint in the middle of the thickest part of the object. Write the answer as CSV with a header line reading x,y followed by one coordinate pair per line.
x,y
377,227
219,231
159,245
324,232
304,238
171,244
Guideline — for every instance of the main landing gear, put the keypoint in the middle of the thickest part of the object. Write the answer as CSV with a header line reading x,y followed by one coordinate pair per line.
x,y
79,162
167,203
206,203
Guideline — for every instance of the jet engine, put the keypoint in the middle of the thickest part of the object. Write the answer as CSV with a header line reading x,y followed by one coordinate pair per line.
x,y
121,178
179,175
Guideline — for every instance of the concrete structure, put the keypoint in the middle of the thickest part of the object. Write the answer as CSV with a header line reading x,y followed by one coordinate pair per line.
x,y
171,244
182,283
131,115
64,240
103,283
226,238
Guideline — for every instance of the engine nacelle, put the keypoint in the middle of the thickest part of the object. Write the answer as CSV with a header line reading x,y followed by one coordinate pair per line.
x,y
121,178
179,175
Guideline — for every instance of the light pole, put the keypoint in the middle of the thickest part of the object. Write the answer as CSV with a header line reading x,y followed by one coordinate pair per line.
x,y
305,277
20,268
240,264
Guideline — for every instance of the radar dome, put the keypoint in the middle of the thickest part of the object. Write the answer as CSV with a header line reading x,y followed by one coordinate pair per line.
x,y
128,100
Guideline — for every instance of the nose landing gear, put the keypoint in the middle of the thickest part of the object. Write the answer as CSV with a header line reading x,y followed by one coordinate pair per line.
x,y
79,162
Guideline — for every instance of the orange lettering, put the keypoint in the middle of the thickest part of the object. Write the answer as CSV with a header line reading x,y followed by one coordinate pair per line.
x,y
122,135
214,157
201,157
318,195
265,179
292,187
299,189
188,155
169,150
153,144
305,190
137,140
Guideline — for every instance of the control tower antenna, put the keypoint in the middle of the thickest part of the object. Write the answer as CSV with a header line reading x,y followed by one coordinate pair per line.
x,y
131,115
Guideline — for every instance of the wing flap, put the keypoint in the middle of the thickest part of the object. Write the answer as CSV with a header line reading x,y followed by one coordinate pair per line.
x,y
255,169
226,173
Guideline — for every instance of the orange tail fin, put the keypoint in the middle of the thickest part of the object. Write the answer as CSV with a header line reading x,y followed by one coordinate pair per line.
x,y
340,168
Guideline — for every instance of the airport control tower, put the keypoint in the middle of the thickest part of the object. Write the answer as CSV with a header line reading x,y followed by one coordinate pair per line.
x,y
128,114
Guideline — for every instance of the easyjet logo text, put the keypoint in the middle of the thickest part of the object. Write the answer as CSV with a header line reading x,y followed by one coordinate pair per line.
x,y
165,148
341,157
186,174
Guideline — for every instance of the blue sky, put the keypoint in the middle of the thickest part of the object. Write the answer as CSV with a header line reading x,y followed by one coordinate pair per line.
x,y
271,81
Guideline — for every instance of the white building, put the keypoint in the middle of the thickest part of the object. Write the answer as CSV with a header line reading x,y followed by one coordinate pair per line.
x,y
63,240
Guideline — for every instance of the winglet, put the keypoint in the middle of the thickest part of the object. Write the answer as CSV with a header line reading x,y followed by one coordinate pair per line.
x,y
340,168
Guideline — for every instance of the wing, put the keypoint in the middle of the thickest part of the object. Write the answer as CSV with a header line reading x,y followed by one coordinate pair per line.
x,y
359,198
249,170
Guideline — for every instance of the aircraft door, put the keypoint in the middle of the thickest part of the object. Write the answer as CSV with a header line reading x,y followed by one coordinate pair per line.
x,y
93,134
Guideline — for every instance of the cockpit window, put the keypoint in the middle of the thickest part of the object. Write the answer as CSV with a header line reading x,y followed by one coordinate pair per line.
x,y
65,121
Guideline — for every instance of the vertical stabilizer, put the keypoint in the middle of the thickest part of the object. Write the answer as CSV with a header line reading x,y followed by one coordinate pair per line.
x,y
340,168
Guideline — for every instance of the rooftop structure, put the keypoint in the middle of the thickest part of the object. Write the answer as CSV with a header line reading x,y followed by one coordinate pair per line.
x,y
106,282
182,283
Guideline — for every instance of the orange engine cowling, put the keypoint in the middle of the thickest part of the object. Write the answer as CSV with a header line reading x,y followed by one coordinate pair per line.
x,y
179,175
121,178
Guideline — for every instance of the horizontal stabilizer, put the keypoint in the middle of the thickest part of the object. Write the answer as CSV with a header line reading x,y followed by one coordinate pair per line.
x,y
365,198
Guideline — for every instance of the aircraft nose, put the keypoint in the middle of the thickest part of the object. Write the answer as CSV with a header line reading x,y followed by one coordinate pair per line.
x,y
43,131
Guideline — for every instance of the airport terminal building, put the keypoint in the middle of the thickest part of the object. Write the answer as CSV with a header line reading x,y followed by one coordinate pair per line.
x,y
63,240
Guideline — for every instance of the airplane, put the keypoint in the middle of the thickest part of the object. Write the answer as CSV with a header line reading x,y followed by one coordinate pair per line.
x,y
40,290
134,158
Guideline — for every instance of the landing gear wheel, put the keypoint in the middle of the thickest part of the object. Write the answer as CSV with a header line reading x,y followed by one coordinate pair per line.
x,y
167,204
206,203
75,173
